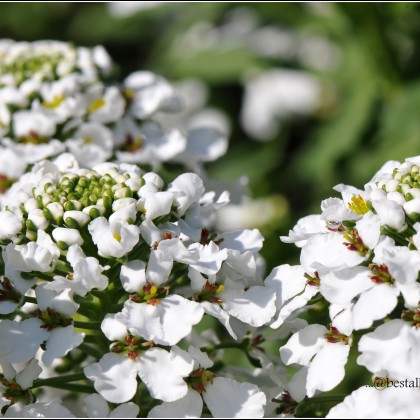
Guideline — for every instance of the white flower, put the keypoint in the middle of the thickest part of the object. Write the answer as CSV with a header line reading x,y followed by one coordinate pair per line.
x,y
161,371
114,377
368,402
277,93
390,350
29,124
210,257
165,321
149,93
224,397
12,166
34,256
10,225
204,144
113,239
324,357
293,290
104,107
147,144
33,153
91,144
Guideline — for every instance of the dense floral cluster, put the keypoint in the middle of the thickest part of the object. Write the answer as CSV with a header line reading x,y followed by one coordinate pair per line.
x,y
55,98
360,257
119,266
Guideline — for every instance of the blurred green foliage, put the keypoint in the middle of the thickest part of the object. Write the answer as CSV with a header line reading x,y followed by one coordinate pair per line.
x,y
369,105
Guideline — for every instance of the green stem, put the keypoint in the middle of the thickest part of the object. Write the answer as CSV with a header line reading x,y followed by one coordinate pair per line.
x,y
231,345
87,325
326,398
59,380
29,299
87,389
97,354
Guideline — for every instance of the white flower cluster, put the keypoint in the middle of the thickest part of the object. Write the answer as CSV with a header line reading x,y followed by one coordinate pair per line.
x,y
56,98
106,271
359,258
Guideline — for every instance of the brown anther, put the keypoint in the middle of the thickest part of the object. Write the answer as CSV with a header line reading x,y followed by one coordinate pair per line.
x,y
167,235
133,355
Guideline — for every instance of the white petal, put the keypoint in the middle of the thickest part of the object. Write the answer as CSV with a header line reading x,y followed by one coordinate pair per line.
x,y
327,252
61,301
200,357
187,407
217,312
113,329
242,240
60,342
327,368
159,267
287,281
369,229
114,377
303,345
294,304
178,315
226,397
343,286
210,257
255,307
133,276
96,406
297,385
163,372
374,304
53,410
26,377
188,189
360,404
127,410
158,204
19,341
390,213
141,319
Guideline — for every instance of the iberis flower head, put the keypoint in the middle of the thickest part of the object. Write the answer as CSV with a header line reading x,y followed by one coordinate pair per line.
x,y
359,266
106,272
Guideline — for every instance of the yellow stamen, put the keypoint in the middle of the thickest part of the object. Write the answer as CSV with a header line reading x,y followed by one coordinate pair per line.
x,y
54,103
358,205
95,105
117,237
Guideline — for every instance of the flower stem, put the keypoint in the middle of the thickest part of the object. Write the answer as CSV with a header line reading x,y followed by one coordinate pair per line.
x,y
87,325
90,351
231,345
29,299
59,380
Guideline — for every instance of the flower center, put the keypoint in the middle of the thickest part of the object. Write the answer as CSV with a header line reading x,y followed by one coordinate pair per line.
x,y
131,346
199,379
